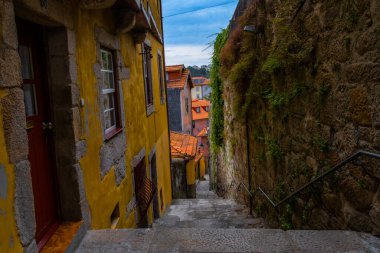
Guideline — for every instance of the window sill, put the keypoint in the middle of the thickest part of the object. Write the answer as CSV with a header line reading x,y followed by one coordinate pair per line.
x,y
149,110
113,133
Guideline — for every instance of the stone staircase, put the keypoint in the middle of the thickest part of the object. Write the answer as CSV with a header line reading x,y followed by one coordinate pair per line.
x,y
212,224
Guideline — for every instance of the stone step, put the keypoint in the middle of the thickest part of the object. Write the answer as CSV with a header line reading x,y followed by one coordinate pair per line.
x,y
163,240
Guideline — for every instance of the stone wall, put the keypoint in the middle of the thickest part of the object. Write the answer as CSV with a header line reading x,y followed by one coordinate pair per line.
x,y
306,83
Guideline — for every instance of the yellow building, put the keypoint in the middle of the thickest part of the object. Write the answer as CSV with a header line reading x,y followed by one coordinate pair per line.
x,y
84,140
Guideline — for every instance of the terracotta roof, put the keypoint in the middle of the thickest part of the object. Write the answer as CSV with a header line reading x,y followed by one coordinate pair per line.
x,y
185,76
201,104
183,145
174,68
202,133
200,81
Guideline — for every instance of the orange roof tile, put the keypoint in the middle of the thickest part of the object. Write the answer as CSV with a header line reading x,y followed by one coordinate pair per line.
x,y
200,102
185,76
201,81
174,68
183,145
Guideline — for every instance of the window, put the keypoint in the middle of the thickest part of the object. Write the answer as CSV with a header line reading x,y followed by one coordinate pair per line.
x,y
187,105
193,124
109,92
198,88
198,110
198,96
148,75
160,77
206,108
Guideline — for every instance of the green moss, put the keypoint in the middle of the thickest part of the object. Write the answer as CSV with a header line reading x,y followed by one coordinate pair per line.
x,y
322,144
274,149
286,218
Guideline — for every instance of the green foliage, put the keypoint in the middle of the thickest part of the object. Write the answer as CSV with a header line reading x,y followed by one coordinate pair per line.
x,y
271,64
278,100
322,93
286,218
322,144
274,149
198,72
217,115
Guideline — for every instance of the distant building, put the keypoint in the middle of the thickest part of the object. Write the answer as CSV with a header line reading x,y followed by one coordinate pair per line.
x,y
201,88
188,165
200,111
179,86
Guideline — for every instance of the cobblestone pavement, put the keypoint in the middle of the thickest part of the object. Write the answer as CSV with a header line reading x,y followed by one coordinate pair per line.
x,y
212,224
186,240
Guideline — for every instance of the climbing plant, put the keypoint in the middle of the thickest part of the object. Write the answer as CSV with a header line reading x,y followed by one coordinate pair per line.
x,y
217,116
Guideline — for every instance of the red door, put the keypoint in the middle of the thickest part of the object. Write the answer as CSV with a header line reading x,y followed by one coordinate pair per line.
x,y
39,129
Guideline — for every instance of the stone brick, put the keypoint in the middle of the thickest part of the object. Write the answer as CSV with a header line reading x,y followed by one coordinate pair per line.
x,y
359,107
356,220
356,194
374,213
10,68
24,203
368,41
111,152
16,138
362,72
9,32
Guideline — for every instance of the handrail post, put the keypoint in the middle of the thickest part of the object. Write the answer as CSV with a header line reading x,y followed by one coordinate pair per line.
x,y
249,166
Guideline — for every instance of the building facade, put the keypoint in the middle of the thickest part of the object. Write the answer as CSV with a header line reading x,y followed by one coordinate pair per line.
x,y
202,89
179,85
83,118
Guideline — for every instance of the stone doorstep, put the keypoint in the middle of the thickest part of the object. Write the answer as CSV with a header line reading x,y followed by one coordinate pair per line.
x,y
66,238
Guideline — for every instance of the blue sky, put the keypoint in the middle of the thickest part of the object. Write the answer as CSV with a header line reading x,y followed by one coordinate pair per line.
x,y
187,35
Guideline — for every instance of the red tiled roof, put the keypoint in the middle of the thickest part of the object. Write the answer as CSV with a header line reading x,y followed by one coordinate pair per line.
x,y
185,76
201,104
183,145
174,68
204,81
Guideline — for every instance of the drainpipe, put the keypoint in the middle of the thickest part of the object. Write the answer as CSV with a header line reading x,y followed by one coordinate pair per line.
x,y
249,165
166,97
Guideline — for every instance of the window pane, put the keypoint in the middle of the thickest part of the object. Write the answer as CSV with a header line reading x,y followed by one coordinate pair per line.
x,y
110,119
108,80
30,100
106,60
26,62
108,101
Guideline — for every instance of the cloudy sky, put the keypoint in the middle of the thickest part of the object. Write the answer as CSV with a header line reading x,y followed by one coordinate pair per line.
x,y
188,34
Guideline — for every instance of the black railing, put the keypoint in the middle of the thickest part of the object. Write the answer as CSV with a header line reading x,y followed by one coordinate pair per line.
x,y
346,161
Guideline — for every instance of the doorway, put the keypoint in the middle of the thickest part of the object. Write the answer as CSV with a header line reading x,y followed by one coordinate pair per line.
x,y
153,173
39,129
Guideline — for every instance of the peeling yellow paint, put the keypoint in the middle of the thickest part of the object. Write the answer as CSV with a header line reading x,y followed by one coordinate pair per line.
x,y
9,241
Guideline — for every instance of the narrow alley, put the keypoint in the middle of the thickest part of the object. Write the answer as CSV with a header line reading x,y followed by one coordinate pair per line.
x,y
213,224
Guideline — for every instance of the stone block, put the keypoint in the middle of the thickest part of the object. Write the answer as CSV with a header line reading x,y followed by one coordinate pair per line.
x,y
120,171
356,220
111,152
77,128
9,32
73,69
16,138
362,72
10,66
374,214
358,196
81,149
368,41
24,203
31,248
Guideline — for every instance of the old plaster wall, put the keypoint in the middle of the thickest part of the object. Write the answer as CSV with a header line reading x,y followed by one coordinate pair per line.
x,y
311,99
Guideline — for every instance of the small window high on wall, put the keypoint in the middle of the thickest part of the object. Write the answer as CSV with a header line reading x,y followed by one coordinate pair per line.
x,y
147,65
109,93
161,79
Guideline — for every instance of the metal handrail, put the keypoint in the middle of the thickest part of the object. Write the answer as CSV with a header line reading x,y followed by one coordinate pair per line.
x,y
349,159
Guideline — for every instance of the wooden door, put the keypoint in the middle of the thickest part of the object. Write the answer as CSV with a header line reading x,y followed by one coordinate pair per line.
x,y
39,129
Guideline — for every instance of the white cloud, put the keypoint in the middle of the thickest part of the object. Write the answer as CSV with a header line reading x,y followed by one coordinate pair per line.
x,y
188,54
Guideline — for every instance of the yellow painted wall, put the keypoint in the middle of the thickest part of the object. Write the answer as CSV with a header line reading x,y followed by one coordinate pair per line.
x,y
202,167
141,131
190,172
9,241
